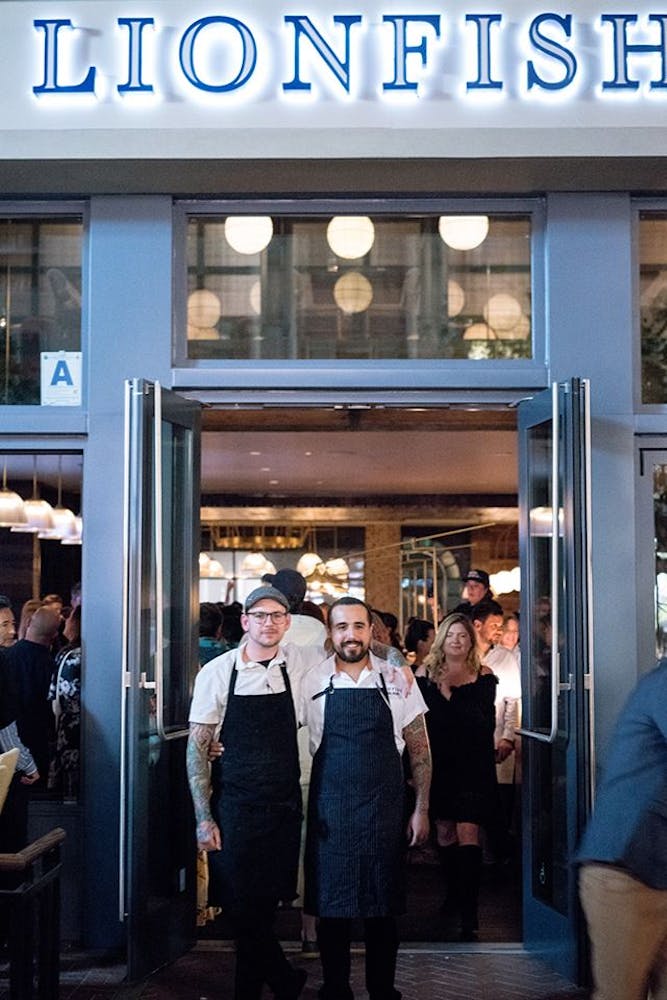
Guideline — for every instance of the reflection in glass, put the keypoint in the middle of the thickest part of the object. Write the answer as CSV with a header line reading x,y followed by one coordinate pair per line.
x,y
414,295
660,534
547,770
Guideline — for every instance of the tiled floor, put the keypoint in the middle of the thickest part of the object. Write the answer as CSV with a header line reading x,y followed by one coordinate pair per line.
x,y
429,972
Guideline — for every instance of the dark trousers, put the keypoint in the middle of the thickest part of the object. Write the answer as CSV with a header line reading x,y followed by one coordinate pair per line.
x,y
381,937
259,956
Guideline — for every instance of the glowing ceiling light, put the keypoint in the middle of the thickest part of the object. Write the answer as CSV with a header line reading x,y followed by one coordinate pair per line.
x,y
350,236
463,232
248,234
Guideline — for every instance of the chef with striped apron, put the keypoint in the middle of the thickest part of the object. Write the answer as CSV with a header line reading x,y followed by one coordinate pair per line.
x,y
356,835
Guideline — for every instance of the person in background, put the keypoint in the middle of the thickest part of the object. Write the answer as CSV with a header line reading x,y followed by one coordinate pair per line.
x,y
7,626
460,694
487,620
510,635
232,630
27,611
211,642
380,646
419,637
623,853
391,621
477,588
65,697
31,666
304,630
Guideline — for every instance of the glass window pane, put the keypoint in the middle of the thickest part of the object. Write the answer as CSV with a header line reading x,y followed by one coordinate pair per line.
x,y
353,287
40,300
660,536
653,305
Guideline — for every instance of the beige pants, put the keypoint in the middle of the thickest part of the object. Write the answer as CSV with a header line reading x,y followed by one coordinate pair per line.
x,y
627,927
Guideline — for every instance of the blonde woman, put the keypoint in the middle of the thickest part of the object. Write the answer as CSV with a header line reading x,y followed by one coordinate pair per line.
x,y
460,694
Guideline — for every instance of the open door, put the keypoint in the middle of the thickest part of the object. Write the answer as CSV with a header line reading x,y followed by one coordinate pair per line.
x,y
556,662
158,863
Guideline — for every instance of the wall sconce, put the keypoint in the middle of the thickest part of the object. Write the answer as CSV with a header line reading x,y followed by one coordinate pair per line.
x,y
463,232
248,234
353,293
350,236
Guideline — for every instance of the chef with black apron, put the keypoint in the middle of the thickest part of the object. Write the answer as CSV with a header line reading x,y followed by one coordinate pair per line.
x,y
360,716
248,803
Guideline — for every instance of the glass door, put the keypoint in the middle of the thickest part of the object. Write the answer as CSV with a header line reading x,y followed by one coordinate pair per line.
x,y
556,661
158,871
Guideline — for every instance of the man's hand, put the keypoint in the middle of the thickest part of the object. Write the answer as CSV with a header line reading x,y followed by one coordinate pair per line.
x,y
30,779
215,750
418,828
503,750
208,836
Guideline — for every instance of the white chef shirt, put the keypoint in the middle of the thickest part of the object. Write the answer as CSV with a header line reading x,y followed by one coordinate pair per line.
x,y
404,710
211,693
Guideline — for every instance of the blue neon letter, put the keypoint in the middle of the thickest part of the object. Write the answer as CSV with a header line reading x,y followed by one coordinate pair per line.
x,y
51,85
135,26
248,61
622,47
339,67
402,50
484,81
554,49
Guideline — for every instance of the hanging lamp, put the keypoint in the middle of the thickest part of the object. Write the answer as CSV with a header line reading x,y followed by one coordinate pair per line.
x,y
38,513
12,508
63,520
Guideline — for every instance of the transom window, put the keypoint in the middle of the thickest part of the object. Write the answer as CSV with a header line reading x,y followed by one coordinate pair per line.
x,y
359,287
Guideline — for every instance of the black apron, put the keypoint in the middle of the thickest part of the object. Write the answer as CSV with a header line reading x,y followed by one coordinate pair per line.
x,y
355,839
256,801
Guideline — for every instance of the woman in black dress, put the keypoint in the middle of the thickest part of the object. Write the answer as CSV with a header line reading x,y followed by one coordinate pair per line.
x,y
460,694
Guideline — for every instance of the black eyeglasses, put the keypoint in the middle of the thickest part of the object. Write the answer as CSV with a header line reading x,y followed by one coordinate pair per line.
x,y
277,617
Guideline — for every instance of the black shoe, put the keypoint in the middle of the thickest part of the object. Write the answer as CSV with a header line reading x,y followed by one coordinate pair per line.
x,y
300,976
309,949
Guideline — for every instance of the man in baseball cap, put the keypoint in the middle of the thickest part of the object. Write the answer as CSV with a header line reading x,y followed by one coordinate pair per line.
x,y
248,803
477,589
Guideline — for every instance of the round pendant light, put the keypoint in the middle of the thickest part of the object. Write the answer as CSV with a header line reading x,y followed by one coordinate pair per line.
x,y
350,236
12,509
353,292
38,517
455,298
463,232
204,309
502,312
248,234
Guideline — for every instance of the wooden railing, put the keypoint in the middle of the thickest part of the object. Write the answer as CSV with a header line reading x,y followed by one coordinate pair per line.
x,y
32,913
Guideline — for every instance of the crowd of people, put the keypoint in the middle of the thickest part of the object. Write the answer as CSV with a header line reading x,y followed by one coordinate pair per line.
x,y
40,661
399,740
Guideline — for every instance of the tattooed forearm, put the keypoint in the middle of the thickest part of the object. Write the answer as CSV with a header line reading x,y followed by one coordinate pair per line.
x,y
419,751
199,778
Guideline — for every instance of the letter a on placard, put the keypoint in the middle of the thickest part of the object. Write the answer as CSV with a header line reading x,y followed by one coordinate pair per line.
x,y
61,373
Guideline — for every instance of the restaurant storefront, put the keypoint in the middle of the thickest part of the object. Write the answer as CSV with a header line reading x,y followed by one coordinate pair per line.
x,y
371,209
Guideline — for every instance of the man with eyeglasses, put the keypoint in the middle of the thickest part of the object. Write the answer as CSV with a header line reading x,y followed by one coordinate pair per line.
x,y
248,803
